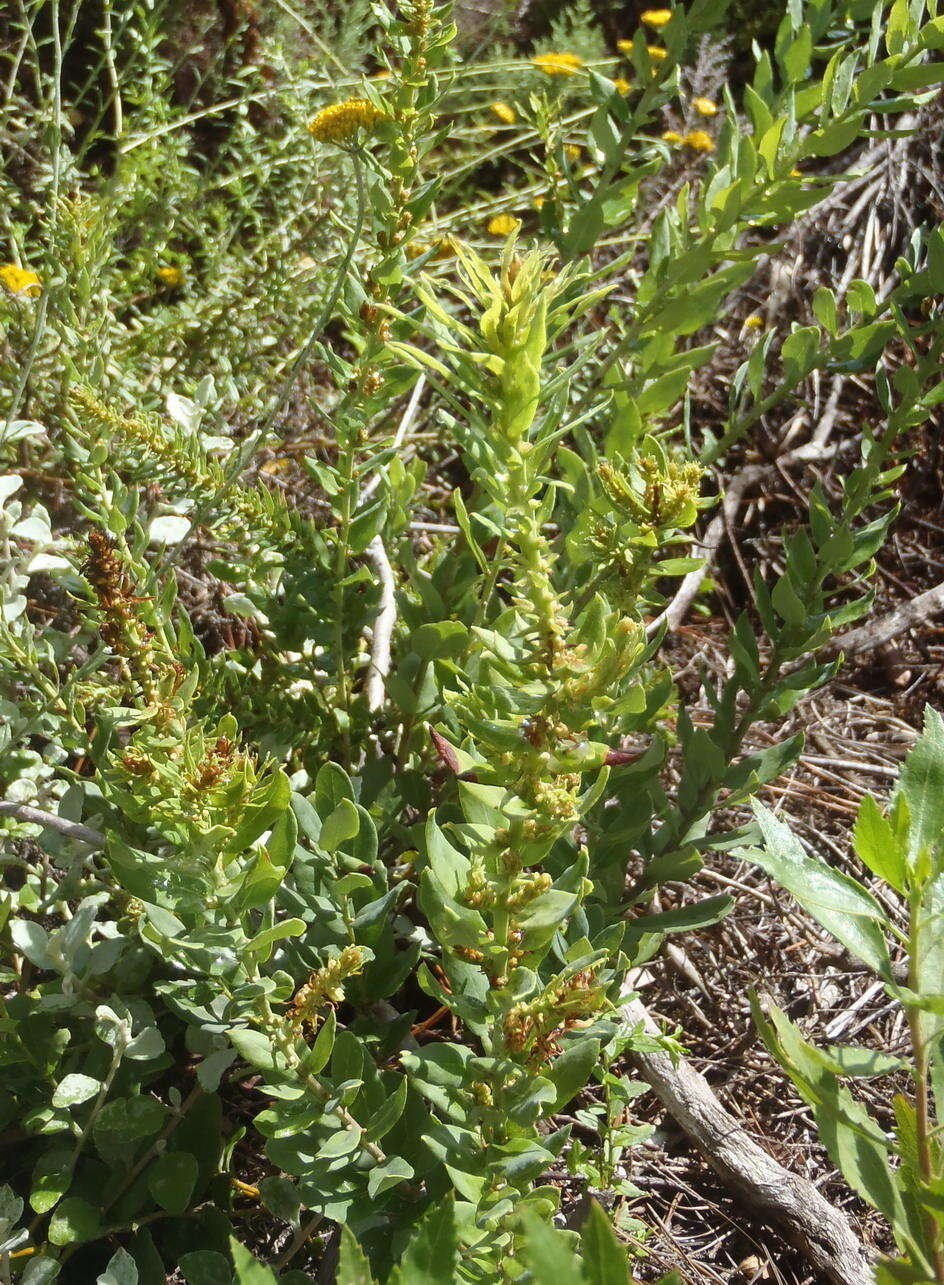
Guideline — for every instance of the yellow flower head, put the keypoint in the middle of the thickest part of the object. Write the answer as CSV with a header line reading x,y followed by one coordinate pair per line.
x,y
705,107
340,122
753,322
539,202
558,64
20,280
657,17
795,173
699,141
503,225
172,276
672,136
505,114
622,85
572,151
624,46
657,53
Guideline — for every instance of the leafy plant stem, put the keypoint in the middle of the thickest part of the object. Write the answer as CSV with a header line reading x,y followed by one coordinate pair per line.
x,y
921,1072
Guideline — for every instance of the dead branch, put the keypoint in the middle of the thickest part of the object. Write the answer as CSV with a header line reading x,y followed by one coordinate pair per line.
x,y
877,632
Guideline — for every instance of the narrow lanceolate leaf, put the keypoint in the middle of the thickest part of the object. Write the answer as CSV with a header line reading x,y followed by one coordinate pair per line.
x,y
922,785
248,1269
430,1257
547,1253
839,903
604,1258
879,846
353,1267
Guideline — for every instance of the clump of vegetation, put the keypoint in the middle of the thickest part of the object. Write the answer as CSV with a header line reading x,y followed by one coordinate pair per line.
x,y
347,475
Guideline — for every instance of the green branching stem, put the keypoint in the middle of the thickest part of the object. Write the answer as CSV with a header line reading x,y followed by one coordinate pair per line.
x,y
921,1072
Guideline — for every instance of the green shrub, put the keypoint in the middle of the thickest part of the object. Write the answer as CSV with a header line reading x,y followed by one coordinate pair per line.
x,y
359,891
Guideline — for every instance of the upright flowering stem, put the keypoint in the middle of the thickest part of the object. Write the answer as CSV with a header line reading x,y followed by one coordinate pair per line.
x,y
401,122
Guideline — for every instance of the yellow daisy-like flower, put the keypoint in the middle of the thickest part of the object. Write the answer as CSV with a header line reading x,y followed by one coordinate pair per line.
x,y
656,17
672,136
503,225
340,122
539,202
505,114
19,280
705,107
172,276
657,53
622,85
753,322
624,46
558,64
699,141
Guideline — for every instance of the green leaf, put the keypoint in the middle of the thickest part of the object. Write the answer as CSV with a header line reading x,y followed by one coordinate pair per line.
x,y
280,1196
441,639
922,786
40,1271
841,905
387,1114
339,826
864,1063
206,1267
51,1179
74,1222
858,1147
547,1252
604,1258
121,1270
431,1255
390,1174
699,915
342,1142
571,1071
879,846
262,942
353,1267
317,1059
74,1090
253,1047
131,1118
332,784
171,1180
249,1271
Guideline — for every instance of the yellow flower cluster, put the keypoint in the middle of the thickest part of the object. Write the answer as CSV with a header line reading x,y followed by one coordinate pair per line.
x,y
705,107
503,225
622,85
504,113
698,140
19,280
340,122
656,17
172,276
656,52
558,64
